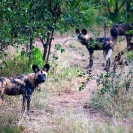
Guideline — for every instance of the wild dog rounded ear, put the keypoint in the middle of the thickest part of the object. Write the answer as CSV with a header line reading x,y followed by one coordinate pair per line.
x,y
84,31
77,31
35,68
46,67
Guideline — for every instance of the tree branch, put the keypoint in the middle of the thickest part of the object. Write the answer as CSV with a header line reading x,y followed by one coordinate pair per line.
x,y
122,4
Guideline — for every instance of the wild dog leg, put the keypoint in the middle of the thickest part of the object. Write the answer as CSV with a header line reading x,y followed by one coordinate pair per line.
x,y
28,103
1,100
1,96
91,51
107,67
128,38
23,103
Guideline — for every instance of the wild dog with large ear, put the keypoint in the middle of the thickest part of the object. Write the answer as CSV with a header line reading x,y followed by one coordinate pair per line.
x,y
93,44
24,85
83,36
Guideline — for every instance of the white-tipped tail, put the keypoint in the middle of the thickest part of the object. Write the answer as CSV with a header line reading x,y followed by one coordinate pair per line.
x,y
108,54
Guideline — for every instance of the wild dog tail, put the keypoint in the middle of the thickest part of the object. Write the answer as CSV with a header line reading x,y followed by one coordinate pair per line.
x,y
114,33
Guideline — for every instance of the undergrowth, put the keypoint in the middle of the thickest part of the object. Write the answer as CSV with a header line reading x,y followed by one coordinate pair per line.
x,y
61,78
14,64
115,89
69,122
64,77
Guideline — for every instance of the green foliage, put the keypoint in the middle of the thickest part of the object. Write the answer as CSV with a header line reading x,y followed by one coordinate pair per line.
x,y
12,66
83,84
130,56
93,43
65,73
59,47
36,56
36,18
73,47
5,129
115,92
19,63
22,20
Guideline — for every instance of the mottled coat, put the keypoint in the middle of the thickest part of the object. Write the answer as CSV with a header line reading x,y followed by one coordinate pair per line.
x,y
122,30
92,44
23,85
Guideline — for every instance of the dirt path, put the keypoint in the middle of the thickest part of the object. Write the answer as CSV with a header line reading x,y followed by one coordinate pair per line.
x,y
74,99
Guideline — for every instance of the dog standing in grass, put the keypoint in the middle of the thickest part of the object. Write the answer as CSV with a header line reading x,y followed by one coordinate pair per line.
x,y
92,44
23,85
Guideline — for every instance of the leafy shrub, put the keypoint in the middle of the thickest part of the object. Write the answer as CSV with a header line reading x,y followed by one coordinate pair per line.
x,y
63,76
5,129
115,93
19,63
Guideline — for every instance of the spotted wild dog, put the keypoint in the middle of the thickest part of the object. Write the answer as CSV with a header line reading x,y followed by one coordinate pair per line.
x,y
92,44
122,30
23,85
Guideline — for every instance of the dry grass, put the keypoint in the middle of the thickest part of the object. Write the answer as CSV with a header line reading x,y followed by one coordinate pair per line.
x,y
51,115
117,100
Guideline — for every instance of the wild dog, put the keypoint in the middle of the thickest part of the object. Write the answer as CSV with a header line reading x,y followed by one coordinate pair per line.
x,y
92,44
23,85
122,30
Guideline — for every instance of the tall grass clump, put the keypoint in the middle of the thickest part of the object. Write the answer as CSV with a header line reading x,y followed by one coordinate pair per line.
x,y
63,77
115,90
19,62
6,129
69,122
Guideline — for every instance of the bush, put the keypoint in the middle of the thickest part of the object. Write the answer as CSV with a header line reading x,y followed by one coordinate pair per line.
x,y
115,92
19,63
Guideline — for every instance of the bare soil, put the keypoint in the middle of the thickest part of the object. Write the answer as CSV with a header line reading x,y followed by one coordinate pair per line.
x,y
75,99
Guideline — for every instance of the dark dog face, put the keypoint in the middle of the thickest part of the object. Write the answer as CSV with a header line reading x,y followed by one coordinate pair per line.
x,y
40,75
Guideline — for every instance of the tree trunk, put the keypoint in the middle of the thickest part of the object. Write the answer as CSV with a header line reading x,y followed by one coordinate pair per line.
x,y
52,32
31,42
45,46
128,8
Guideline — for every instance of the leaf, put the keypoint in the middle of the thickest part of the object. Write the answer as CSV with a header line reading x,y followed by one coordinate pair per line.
x,y
7,40
103,90
55,57
81,87
62,50
101,76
